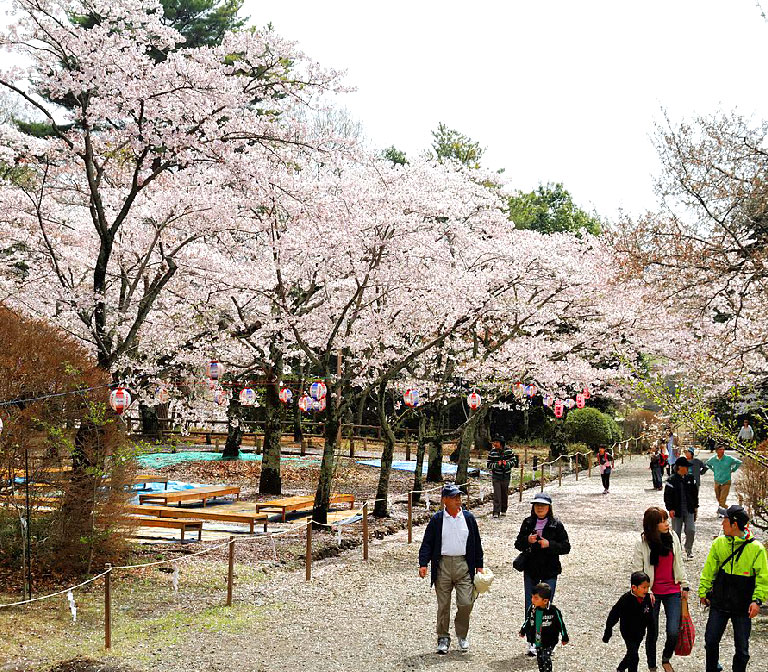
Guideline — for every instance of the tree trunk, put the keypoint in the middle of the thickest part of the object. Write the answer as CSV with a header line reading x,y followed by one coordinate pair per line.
x,y
298,435
465,444
380,509
150,425
483,433
323,493
235,413
435,469
270,482
421,449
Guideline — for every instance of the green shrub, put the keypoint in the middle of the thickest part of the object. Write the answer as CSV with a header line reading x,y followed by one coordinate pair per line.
x,y
590,426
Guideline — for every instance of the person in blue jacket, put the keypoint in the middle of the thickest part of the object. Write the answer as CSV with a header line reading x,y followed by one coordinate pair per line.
x,y
452,544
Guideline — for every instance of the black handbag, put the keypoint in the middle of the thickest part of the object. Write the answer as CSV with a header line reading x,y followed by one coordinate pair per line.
x,y
521,561
732,593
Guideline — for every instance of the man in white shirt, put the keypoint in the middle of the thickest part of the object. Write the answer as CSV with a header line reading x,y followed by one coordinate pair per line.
x,y
452,544
746,433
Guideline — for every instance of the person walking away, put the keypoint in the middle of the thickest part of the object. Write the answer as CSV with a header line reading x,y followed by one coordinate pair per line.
x,y
500,462
746,433
543,539
734,584
696,468
452,544
605,464
681,497
672,444
634,614
657,468
722,467
543,626
660,555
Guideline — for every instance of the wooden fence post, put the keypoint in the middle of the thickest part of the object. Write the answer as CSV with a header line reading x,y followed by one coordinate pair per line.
x,y
365,531
303,449
560,474
217,444
542,478
308,554
578,465
365,445
230,570
108,607
410,518
525,456
407,449
520,487
589,465
352,444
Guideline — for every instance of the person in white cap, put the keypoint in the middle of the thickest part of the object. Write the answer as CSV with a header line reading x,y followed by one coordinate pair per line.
x,y
542,539
452,544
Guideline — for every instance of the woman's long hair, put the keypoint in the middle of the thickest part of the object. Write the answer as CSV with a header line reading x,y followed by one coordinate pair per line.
x,y
660,544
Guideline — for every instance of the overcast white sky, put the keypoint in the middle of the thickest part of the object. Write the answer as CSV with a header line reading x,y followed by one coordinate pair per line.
x,y
556,90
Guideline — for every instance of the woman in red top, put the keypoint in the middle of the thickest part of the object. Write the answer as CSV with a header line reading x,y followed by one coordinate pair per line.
x,y
660,555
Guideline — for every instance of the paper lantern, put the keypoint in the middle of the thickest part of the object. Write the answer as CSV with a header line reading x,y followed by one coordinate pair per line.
x,y
570,403
474,400
305,403
530,390
317,390
1,425
580,400
286,395
247,396
119,400
318,405
559,409
161,394
587,394
215,370
411,398
548,400
518,389
220,396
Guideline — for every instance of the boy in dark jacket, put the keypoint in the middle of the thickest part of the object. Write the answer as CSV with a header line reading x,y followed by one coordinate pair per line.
x,y
544,626
501,460
634,614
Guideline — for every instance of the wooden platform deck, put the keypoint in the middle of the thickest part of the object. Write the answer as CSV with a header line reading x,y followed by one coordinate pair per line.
x,y
244,517
173,523
190,495
300,503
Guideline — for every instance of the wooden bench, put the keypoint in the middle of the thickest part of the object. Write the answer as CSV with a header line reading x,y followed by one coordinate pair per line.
x,y
190,495
245,517
300,503
148,478
171,523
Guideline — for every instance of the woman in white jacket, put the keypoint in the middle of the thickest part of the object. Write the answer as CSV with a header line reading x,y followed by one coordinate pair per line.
x,y
660,555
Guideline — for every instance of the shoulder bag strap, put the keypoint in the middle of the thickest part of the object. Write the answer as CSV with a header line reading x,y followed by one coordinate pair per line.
x,y
737,553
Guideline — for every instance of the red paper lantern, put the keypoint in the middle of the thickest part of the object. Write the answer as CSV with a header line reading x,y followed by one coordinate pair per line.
x,y
215,370
119,400
317,390
474,400
305,402
530,390
518,389
286,395
411,398
318,405
586,392
559,409
247,396
580,400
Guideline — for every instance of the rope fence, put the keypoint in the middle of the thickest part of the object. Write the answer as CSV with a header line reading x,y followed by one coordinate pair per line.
x,y
307,532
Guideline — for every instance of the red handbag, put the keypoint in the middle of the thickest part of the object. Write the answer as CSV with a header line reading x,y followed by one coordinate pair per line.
x,y
687,635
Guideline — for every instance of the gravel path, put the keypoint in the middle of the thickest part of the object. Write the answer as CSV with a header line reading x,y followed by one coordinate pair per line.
x,y
380,616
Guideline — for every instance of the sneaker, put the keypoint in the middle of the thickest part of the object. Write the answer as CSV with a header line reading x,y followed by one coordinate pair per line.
x,y
689,556
503,514
463,644
531,650
442,645
495,515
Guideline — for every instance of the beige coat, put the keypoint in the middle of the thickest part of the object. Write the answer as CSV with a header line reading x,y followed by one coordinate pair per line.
x,y
641,560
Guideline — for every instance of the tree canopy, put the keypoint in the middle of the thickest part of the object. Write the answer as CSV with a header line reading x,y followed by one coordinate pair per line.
x,y
203,22
550,209
450,144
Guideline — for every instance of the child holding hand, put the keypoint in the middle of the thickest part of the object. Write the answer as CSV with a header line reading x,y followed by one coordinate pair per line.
x,y
543,626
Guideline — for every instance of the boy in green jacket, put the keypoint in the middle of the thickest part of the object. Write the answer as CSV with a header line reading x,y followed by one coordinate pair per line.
x,y
734,583
722,467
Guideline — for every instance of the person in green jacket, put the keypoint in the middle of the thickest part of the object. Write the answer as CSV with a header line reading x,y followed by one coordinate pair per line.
x,y
722,467
733,584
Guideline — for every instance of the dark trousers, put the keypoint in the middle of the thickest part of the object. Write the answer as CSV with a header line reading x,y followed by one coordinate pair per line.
x,y
606,479
673,609
544,658
742,627
656,474
500,495
632,657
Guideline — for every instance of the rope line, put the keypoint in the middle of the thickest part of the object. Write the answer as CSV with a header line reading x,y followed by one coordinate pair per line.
x,y
13,402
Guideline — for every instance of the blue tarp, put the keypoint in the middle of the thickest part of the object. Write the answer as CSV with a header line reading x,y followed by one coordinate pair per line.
x,y
160,460
446,467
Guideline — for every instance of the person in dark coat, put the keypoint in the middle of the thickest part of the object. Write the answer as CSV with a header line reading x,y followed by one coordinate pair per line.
x,y
452,544
543,539
634,614
681,499
501,460
543,626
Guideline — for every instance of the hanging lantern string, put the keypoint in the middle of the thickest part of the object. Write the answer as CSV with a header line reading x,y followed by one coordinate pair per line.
x,y
13,402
